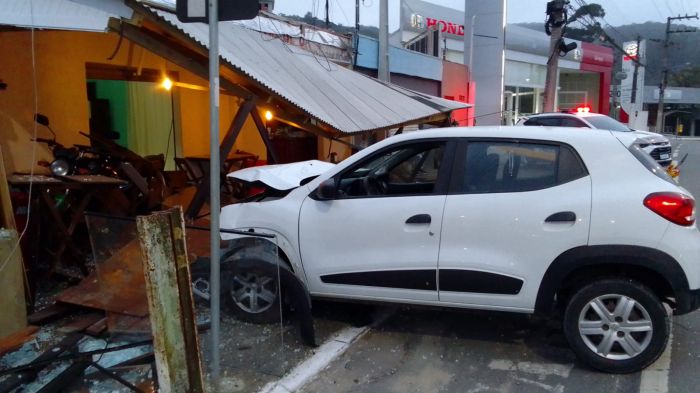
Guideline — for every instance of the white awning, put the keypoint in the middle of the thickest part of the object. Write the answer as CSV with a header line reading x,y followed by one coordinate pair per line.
x,y
83,15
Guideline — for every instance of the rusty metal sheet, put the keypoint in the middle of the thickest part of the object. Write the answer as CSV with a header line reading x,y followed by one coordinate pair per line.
x,y
117,285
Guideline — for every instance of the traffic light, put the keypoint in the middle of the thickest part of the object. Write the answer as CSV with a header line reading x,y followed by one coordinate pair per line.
x,y
565,48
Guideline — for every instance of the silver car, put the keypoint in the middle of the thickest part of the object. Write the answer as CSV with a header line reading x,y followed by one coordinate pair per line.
x,y
657,145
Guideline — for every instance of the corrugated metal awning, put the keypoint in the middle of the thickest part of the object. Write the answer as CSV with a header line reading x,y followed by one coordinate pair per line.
x,y
83,15
346,100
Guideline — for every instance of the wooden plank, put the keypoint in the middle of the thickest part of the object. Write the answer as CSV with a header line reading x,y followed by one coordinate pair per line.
x,y
15,340
80,323
97,328
48,314
7,217
12,304
168,285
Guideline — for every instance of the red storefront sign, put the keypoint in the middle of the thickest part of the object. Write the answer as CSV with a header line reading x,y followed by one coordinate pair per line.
x,y
444,26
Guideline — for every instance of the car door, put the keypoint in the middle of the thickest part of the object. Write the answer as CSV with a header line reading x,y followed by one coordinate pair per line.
x,y
379,237
513,207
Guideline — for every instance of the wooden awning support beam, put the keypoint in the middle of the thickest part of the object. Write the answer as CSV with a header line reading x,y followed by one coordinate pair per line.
x,y
202,193
271,153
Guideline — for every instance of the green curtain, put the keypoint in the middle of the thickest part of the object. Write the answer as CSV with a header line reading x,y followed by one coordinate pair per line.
x,y
150,121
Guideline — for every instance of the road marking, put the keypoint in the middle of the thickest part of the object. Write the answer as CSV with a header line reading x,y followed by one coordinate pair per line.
x,y
655,377
541,369
323,356
554,389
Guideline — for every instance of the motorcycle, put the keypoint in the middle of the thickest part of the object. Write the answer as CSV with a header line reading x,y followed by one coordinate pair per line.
x,y
75,160
145,188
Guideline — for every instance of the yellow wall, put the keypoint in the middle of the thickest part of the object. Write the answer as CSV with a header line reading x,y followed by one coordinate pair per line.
x,y
60,58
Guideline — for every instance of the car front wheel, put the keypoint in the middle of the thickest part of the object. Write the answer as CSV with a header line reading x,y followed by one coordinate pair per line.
x,y
252,294
616,325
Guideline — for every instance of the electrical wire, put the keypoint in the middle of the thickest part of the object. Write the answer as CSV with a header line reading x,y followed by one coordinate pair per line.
x,y
34,142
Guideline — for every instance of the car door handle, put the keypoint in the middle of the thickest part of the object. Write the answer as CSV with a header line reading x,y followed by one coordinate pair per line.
x,y
562,217
419,219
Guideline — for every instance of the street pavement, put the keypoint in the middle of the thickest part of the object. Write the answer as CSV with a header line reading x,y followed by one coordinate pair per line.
x,y
418,350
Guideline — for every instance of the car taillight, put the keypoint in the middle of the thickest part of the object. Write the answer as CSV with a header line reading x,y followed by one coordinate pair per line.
x,y
677,208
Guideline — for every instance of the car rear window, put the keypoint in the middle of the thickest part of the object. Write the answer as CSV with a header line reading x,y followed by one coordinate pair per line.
x,y
650,163
606,123
495,167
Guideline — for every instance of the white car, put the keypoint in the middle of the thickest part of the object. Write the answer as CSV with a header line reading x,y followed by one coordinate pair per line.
x,y
657,145
519,219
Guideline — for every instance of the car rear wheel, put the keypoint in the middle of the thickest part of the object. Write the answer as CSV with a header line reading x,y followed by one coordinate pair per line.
x,y
616,325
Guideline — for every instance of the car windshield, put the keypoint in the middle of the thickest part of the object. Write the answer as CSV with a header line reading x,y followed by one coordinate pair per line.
x,y
606,123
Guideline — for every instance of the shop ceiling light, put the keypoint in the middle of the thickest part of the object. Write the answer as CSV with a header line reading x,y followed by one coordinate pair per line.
x,y
167,84
268,115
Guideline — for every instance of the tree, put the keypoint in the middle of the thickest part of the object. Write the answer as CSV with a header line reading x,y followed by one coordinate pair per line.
x,y
689,77
592,10
590,30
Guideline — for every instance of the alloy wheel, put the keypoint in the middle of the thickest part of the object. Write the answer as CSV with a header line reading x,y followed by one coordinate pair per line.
x,y
253,293
615,327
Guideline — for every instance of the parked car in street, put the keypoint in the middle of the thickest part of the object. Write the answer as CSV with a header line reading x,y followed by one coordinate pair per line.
x,y
576,223
657,145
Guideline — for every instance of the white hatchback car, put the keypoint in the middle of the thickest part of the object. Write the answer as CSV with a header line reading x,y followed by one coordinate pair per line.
x,y
520,219
657,145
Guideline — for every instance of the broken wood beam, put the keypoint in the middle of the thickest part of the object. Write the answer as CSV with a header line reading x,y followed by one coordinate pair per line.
x,y
169,290
97,328
17,339
48,314
80,324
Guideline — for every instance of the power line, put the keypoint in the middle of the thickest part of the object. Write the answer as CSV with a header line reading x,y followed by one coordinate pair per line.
x,y
653,2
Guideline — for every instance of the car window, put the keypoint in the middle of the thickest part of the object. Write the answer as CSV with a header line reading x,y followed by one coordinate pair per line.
x,y
570,122
406,170
494,167
606,123
549,121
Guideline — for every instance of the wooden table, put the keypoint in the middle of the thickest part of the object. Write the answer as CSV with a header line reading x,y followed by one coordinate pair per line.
x,y
65,199
200,164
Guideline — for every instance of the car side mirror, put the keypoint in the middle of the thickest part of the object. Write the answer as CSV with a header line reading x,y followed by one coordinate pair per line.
x,y
326,190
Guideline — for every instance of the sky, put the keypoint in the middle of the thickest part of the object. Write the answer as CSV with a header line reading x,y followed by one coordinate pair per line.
x,y
618,12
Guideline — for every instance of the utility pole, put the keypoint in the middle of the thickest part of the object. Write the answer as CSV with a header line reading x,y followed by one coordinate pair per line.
x,y
357,32
383,61
556,19
664,79
327,20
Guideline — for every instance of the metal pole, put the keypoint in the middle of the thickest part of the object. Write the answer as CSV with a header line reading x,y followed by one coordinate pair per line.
x,y
383,63
471,45
327,19
214,191
664,81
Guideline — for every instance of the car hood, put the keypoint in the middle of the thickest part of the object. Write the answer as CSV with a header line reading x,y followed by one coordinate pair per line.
x,y
651,137
282,176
